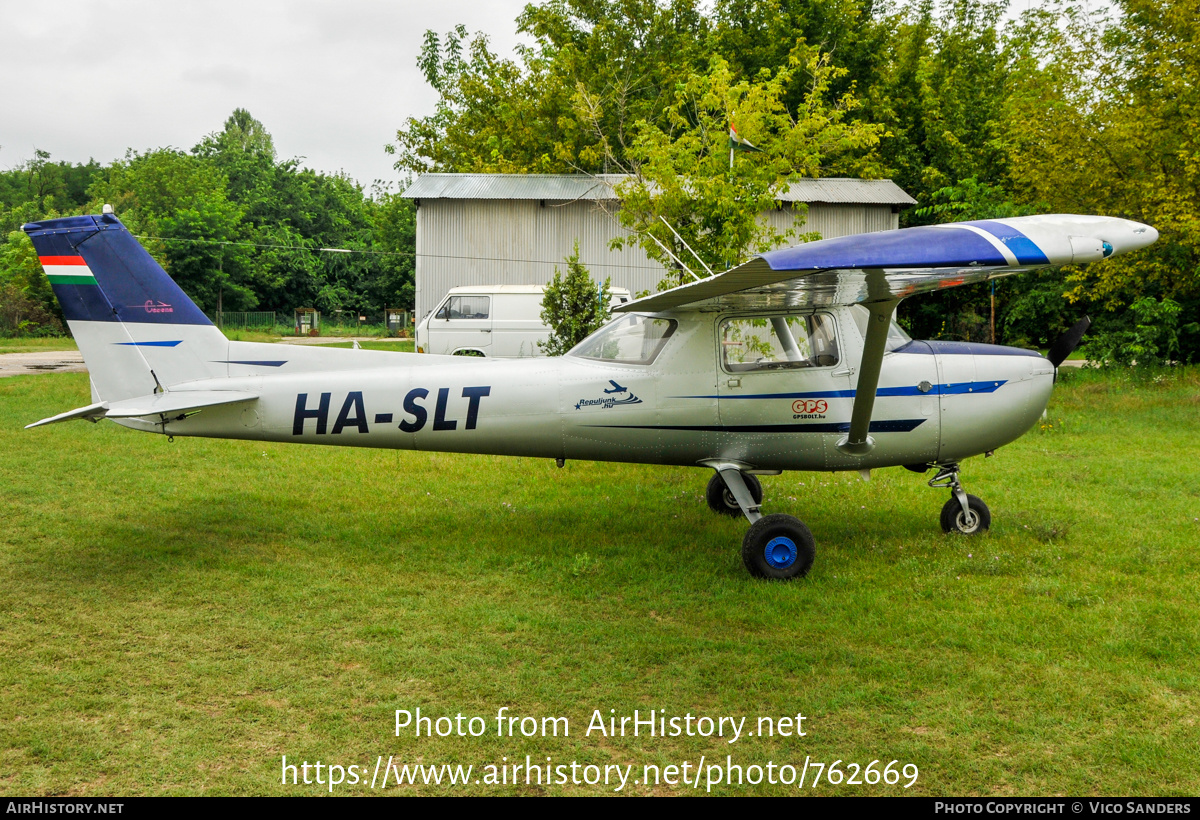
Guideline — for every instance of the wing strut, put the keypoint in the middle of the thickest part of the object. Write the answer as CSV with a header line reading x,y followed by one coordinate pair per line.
x,y
858,441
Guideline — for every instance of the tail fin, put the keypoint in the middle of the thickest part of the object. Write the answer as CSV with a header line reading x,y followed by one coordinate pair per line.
x,y
138,332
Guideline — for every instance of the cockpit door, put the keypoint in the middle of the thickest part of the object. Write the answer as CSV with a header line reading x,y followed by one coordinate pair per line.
x,y
782,385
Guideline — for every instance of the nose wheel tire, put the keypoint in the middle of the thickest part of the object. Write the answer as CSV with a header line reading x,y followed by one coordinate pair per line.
x,y
954,519
778,546
720,500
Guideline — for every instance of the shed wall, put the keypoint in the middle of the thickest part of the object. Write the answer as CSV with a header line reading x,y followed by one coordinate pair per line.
x,y
519,242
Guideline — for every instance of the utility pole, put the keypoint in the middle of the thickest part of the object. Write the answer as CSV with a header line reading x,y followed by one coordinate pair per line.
x,y
993,311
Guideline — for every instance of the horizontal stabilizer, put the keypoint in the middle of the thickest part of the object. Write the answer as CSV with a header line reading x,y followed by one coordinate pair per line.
x,y
93,412
155,404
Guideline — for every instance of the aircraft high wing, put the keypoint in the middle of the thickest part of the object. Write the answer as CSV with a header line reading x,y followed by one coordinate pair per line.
x,y
791,361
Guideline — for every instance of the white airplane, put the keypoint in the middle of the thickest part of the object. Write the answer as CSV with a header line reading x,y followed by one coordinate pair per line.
x,y
791,361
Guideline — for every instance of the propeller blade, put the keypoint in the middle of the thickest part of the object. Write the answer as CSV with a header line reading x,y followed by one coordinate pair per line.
x,y
1067,342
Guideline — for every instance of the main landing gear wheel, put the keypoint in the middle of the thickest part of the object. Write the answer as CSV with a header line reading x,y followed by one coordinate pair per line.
x,y
975,520
721,500
778,546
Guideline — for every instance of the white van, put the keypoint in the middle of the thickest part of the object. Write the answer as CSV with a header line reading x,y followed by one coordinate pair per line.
x,y
501,321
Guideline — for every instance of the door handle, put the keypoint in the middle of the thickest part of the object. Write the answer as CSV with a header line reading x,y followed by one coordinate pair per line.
x,y
849,371
734,382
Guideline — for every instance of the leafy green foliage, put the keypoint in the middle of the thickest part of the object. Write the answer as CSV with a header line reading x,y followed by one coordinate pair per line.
x,y
940,95
573,306
1102,119
505,116
683,170
1148,336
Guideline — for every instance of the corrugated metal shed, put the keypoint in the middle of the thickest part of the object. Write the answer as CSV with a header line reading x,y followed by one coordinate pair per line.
x,y
571,187
495,229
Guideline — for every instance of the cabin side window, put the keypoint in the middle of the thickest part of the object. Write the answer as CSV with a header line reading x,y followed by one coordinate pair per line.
x,y
465,307
628,339
778,342
896,336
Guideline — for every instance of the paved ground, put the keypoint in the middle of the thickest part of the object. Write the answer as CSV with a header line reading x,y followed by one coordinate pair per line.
x,y
41,361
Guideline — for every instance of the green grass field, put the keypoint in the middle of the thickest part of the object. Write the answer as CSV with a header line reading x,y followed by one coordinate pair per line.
x,y
176,617
32,345
394,345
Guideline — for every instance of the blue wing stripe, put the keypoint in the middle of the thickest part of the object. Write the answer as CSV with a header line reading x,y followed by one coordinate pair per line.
x,y
1022,246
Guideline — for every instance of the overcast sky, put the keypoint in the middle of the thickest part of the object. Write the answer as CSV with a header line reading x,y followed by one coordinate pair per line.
x,y
331,81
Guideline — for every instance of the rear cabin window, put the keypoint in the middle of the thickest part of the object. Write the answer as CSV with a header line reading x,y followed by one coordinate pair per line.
x,y
778,342
464,307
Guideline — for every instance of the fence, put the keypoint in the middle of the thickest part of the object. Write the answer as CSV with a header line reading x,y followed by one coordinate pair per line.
x,y
245,320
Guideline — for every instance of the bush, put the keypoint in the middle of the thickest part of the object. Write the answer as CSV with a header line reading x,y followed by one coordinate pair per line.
x,y
573,307
23,316
1152,341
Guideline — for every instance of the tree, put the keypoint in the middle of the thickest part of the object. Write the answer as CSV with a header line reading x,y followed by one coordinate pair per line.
x,y
684,171
573,307
181,204
1102,119
940,93
506,116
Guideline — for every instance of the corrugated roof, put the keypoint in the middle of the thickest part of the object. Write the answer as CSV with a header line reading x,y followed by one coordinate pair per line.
x,y
841,190
514,186
581,186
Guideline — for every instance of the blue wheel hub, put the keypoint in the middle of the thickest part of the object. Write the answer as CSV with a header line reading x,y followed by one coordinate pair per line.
x,y
780,552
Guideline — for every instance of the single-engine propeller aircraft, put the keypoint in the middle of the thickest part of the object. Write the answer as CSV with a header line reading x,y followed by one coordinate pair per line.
x,y
791,361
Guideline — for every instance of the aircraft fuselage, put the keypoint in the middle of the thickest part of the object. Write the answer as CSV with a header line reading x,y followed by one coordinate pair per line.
x,y
936,402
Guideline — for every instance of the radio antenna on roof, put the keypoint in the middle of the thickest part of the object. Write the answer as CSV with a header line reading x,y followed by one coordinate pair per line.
x,y
675,258
686,245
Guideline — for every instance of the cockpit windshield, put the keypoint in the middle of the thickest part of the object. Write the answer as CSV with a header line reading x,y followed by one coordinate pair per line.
x,y
628,339
896,335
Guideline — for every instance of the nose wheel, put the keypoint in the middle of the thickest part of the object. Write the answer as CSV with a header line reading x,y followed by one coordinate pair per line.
x,y
776,546
963,513
975,519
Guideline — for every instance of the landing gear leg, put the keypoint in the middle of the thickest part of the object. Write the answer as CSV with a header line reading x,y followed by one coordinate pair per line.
x,y
739,490
963,513
776,546
721,499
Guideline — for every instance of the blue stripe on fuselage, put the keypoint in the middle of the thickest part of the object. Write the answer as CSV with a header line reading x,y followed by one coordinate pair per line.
x,y
878,426
150,344
936,390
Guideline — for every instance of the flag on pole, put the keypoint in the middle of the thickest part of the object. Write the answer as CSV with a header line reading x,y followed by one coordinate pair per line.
x,y
736,143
